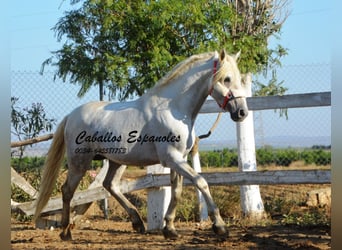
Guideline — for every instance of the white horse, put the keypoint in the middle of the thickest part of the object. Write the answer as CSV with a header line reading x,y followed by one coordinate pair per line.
x,y
156,128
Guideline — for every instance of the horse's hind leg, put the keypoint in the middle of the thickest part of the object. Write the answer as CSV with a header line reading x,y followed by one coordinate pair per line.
x,y
169,231
112,184
75,175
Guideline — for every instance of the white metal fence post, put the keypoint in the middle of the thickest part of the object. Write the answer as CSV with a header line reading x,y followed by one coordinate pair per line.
x,y
158,200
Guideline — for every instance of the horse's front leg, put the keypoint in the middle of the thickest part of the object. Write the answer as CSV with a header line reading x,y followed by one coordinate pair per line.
x,y
169,230
112,184
177,163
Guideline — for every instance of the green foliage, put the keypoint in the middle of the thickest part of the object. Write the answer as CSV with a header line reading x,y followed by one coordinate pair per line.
x,y
277,205
17,194
27,164
318,157
219,158
273,87
266,156
286,157
28,123
186,209
125,47
314,217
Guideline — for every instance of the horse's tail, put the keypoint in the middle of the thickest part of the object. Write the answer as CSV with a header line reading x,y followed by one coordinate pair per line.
x,y
51,168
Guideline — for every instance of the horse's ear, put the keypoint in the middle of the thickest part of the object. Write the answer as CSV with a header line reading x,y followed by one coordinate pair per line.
x,y
237,55
223,54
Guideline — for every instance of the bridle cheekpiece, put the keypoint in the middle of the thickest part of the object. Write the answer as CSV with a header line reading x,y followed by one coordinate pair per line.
x,y
229,95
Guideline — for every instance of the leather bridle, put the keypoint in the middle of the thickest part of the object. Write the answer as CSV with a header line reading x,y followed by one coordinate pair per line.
x,y
228,97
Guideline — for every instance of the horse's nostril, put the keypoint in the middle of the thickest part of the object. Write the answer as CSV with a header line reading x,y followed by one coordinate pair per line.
x,y
242,113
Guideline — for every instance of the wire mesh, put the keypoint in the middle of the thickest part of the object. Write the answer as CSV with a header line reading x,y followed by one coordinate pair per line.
x,y
303,127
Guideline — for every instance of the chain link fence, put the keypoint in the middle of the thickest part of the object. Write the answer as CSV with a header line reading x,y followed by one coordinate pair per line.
x,y
302,128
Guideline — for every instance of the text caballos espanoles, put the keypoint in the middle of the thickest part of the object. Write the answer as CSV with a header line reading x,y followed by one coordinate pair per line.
x,y
132,137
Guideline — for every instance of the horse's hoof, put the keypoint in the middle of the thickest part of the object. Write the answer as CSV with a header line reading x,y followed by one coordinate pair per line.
x,y
220,231
139,227
65,236
170,234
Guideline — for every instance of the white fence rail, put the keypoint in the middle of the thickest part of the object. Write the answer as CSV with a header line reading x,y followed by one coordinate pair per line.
x,y
213,179
316,99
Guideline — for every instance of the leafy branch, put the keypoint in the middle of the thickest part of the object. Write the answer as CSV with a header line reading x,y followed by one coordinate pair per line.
x,y
29,122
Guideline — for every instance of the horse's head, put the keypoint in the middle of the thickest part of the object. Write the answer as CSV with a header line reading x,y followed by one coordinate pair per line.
x,y
226,87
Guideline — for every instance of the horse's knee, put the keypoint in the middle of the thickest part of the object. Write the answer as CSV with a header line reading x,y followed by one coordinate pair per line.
x,y
107,184
201,183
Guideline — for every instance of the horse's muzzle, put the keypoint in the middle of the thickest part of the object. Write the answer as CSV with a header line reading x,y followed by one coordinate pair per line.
x,y
239,115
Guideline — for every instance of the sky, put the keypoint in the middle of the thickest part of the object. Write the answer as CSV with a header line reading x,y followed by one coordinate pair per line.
x,y
306,34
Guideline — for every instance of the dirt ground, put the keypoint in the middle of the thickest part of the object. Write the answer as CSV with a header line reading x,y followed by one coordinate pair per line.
x,y
98,233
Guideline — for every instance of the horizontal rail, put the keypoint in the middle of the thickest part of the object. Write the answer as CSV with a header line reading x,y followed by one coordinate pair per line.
x,y
236,178
277,102
213,179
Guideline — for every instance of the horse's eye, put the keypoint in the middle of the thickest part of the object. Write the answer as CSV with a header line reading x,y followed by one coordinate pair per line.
x,y
227,79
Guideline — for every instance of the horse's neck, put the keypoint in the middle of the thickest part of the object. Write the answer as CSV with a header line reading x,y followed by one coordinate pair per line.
x,y
188,93
193,98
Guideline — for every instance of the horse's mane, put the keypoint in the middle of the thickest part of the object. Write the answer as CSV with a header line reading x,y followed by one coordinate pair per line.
x,y
182,67
188,63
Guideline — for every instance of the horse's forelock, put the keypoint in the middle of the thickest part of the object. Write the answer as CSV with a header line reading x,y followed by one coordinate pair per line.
x,y
227,64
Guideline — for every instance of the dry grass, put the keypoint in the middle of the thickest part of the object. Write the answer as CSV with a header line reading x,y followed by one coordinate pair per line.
x,y
284,204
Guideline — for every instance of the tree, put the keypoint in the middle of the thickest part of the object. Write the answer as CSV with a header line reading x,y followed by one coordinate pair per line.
x,y
28,123
125,47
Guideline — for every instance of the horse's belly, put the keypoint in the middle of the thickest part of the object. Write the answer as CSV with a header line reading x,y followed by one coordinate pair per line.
x,y
138,156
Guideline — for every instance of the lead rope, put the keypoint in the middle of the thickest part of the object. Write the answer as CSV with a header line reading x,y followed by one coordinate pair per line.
x,y
212,127
194,149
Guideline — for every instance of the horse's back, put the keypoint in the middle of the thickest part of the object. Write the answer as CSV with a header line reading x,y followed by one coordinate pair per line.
x,y
110,130
100,110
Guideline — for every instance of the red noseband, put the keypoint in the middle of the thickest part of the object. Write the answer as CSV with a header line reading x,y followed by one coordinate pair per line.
x,y
228,97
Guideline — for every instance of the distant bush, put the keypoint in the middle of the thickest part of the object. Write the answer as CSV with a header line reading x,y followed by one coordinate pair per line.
x,y
219,158
285,157
323,157
27,164
318,157
267,156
